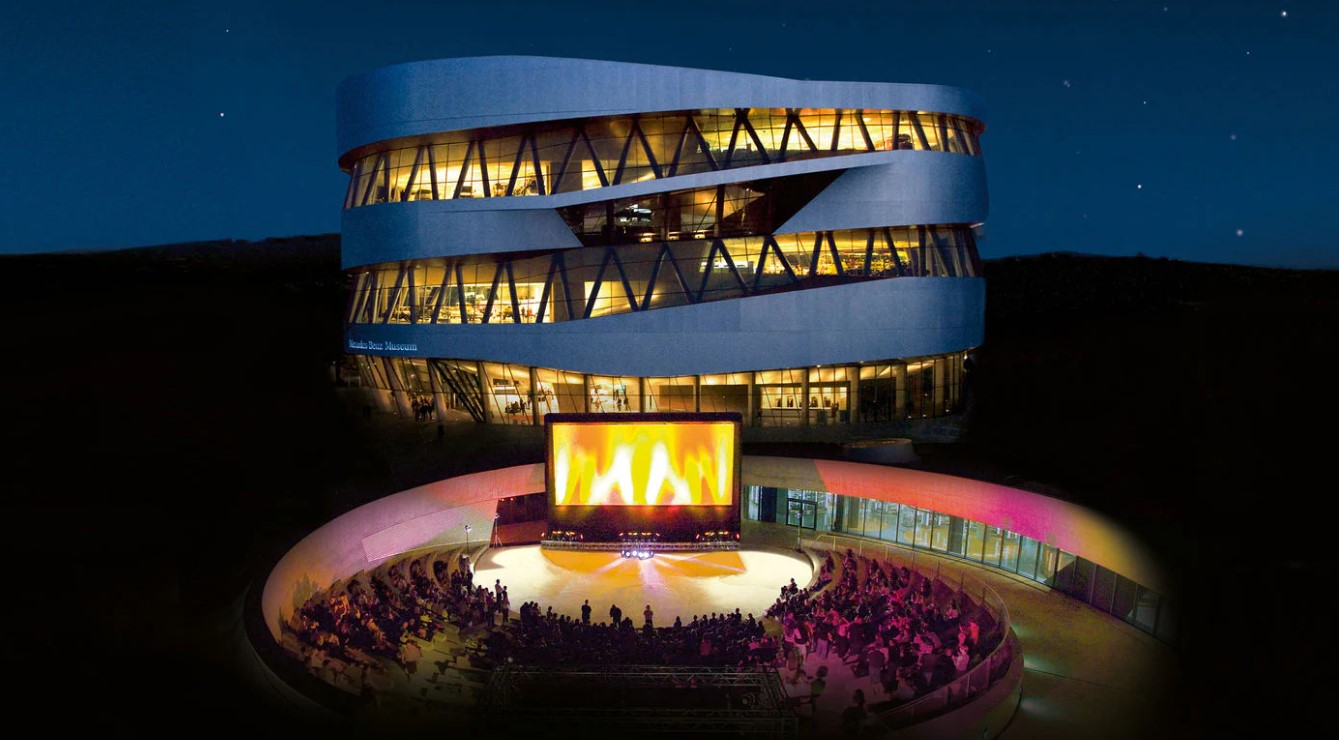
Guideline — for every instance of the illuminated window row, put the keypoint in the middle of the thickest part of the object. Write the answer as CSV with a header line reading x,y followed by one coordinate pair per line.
x,y
590,282
501,393
565,156
980,542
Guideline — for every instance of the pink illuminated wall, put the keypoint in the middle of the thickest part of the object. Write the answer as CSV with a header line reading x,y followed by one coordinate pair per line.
x,y
427,516
1067,526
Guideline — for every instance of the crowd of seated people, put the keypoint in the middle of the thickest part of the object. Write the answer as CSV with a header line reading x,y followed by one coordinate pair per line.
x,y
380,615
884,622
886,625
544,638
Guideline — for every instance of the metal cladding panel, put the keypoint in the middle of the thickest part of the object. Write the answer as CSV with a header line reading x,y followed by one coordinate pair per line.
x,y
879,319
913,188
399,231
476,92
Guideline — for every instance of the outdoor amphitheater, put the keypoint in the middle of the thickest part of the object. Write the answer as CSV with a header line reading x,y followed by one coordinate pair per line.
x,y
427,635
420,611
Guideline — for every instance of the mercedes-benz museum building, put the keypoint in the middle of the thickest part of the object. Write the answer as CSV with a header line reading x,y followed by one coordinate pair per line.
x,y
527,235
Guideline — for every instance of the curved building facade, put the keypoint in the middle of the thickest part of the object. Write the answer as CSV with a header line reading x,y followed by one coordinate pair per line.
x,y
528,235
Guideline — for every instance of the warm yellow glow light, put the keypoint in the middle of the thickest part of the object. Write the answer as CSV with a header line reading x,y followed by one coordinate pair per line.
x,y
643,464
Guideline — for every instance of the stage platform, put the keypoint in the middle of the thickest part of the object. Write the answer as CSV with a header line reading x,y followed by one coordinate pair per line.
x,y
639,545
678,584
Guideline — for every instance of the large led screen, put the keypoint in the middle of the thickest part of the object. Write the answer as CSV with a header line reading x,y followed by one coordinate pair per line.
x,y
637,470
643,464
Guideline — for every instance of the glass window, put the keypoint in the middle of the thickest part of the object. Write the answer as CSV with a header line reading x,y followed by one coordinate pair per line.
x,y
888,527
557,391
873,517
1123,598
906,525
1145,611
1046,567
418,380
957,536
924,525
614,394
976,540
1027,557
939,536
610,150
994,540
508,388
1009,551
1085,575
1065,573
725,392
670,394
827,503
801,511
1104,588
855,515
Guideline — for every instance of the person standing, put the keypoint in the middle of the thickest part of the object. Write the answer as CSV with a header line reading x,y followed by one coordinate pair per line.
x,y
853,716
410,652
817,686
648,614
585,612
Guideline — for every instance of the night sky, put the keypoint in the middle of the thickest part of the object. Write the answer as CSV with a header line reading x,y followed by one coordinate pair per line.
x,y
1192,130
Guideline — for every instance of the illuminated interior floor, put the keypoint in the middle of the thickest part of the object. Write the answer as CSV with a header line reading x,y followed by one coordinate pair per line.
x,y
674,584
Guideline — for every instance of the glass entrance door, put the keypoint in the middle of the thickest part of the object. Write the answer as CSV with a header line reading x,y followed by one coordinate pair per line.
x,y
801,513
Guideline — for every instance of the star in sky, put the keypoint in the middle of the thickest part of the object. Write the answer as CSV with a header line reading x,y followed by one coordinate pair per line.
x,y
1241,232
1114,33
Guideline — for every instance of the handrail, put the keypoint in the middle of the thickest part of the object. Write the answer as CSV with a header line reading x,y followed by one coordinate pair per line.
x,y
976,680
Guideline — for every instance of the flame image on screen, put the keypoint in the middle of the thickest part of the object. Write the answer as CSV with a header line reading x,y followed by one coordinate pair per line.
x,y
643,464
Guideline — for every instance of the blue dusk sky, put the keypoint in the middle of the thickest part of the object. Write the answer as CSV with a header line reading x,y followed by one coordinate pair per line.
x,y
1191,130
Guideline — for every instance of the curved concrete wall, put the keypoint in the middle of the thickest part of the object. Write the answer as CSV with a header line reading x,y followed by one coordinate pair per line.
x,y
475,92
434,515
879,319
910,189
388,232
